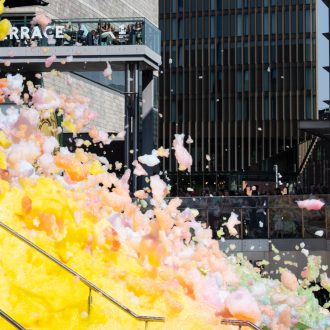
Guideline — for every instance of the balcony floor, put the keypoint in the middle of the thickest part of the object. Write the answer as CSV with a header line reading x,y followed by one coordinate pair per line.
x,y
84,58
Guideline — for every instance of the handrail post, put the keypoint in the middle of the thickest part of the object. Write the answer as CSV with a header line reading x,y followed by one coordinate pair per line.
x,y
302,223
326,221
242,225
267,208
146,325
90,300
240,324
268,222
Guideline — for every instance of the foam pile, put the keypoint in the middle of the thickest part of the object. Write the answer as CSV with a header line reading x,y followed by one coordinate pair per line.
x,y
158,262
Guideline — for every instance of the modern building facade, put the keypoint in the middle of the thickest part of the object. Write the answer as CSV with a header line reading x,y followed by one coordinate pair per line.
x,y
316,176
237,76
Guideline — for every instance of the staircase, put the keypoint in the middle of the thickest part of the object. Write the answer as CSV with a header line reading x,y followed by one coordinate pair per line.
x,y
92,287
306,150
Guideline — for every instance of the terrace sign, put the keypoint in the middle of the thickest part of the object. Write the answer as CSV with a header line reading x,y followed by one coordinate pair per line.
x,y
25,32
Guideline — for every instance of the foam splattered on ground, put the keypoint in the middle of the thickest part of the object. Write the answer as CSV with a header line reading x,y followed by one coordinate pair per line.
x,y
161,262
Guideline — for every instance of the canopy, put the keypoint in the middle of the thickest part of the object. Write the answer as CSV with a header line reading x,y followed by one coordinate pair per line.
x,y
320,128
24,3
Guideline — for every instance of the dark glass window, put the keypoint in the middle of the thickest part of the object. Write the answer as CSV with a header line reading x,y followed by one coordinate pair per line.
x,y
307,20
286,22
212,27
308,82
180,6
266,108
193,27
206,27
266,23
246,52
246,80
174,30
300,21
239,53
273,23
239,110
293,22
219,26
239,81
266,50
308,107
180,28
239,25
279,22
308,50
212,4
246,24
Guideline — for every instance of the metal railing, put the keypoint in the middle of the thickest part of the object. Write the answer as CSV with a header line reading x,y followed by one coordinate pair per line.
x,y
93,287
240,324
86,32
14,323
90,285
262,217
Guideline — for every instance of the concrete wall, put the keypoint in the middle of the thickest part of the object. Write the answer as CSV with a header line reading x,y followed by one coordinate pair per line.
x,y
103,9
108,105
260,249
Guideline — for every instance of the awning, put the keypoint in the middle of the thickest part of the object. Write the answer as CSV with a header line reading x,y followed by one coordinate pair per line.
x,y
24,3
320,128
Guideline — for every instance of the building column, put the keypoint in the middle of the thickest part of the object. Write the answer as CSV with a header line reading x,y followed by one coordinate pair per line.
x,y
132,117
149,134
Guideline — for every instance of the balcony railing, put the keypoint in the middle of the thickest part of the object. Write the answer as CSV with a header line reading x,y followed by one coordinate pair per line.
x,y
86,32
263,217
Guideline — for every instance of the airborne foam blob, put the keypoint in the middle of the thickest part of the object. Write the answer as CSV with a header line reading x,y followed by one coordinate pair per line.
x,y
182,155
139,170
310,204
150,160
231,223
49,61
42,20
108,71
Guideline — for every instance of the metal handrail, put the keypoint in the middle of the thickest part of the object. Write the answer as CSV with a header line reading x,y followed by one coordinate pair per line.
x,y
89,284
10,320
240,324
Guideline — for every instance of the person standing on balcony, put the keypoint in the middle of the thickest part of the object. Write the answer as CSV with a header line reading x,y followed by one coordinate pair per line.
x,y
107,35
91,38
138,32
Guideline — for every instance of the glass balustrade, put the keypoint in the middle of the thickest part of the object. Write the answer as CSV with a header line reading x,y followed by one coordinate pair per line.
x,y
262,217
85,32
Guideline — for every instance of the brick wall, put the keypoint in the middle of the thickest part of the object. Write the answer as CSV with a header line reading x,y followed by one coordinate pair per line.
x,y
109,105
